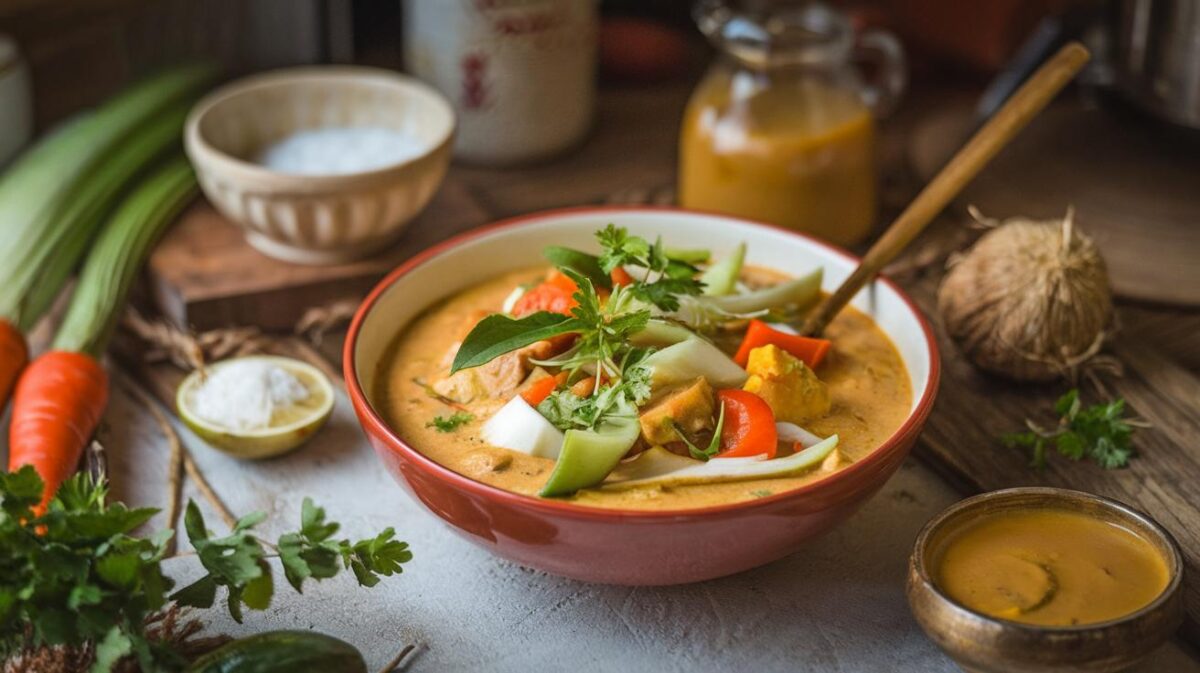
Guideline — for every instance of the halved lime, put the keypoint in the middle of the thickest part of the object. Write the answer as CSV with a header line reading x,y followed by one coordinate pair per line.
x,y
282,426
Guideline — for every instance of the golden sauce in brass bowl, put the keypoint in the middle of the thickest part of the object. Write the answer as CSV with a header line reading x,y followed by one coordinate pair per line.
x,y
1044,579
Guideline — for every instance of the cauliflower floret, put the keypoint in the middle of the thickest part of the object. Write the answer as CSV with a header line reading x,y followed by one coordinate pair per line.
x,y
790,388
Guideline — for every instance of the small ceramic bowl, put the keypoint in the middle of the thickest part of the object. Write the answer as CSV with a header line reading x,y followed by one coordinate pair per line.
x,y
990,645
318,219
627,546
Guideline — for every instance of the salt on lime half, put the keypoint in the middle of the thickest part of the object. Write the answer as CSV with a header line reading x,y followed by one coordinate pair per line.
x,y
281,427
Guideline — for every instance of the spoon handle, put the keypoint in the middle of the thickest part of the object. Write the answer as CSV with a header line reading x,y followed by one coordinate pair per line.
x,y
1023,106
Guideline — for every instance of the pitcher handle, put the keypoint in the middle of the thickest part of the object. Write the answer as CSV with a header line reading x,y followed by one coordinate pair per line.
x,y
882,49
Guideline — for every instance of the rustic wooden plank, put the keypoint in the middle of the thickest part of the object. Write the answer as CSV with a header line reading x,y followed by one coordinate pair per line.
x,y
204,274
974,409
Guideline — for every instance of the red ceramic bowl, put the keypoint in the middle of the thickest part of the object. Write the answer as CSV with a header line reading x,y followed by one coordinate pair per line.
x,y
626,546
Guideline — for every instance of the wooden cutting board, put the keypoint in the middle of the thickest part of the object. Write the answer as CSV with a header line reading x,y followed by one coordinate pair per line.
x,y
204,275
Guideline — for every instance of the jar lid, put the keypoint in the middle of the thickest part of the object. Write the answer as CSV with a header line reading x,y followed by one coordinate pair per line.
x,y
762,33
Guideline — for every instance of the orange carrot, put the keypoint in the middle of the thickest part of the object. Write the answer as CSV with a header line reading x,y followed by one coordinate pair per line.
x,y
539,390
14,355
620,276
56,408
61,396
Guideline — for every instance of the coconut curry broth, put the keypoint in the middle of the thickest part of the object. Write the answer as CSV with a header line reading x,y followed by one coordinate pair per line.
x,y
867,382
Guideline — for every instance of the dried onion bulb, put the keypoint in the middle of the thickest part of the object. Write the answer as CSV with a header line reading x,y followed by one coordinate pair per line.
x,y
1030,300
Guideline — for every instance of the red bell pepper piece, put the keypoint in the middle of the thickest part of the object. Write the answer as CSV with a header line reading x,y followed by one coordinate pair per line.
x,y
749,428
759,333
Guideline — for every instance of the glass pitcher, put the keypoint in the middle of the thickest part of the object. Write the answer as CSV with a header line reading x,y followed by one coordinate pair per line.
x,y
782,128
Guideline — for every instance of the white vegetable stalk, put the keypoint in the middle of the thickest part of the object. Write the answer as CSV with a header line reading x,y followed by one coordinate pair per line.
x,y
519,427
790,432
659,466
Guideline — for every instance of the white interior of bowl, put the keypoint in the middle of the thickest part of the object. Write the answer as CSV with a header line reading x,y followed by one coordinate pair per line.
x,y
507,249
250,114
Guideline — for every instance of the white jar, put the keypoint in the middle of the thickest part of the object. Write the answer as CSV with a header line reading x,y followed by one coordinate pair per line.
x,y
520,73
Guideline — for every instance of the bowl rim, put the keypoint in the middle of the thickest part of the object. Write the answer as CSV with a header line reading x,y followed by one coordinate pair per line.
x,y
200,150
921,549
373,423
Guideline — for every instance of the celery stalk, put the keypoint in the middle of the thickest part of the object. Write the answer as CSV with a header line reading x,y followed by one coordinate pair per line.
x,y
118,254
43,226
720,278
82,214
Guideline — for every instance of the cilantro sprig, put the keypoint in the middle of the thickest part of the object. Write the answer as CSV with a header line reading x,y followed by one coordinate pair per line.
x,y
664,278
1100,432
77,574
566,410
450,423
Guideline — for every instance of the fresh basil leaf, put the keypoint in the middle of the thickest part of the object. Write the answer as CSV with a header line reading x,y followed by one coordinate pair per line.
x,y
579,262
497,334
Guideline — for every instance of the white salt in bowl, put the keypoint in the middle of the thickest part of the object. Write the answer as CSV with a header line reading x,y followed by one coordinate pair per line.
x,y
319,219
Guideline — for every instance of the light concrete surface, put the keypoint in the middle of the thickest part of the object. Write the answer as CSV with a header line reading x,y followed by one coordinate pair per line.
x,y
836,605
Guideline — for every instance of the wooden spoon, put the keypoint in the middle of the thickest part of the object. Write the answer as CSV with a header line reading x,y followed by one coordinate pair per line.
x,y
1023,106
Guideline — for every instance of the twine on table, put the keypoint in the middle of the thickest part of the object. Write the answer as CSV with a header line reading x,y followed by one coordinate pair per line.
x,y
180,461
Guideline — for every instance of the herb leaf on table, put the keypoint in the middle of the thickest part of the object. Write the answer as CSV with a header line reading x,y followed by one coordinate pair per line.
x,y
76,575
1100,432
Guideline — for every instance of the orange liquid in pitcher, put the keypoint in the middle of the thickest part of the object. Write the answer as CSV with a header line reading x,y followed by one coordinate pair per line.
x,y
801,155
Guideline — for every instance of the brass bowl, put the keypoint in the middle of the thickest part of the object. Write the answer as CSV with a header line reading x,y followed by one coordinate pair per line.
x,y
986,644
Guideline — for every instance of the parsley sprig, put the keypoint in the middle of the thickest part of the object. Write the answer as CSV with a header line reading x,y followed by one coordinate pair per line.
x,y
621,397
1100,432
664,278
450,423
77,574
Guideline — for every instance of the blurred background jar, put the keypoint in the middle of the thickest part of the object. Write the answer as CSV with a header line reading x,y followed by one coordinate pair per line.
x,y
782,128
16,101
520,73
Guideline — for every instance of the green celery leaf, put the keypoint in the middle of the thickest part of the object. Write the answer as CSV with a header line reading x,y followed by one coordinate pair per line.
x,y
20,490
249,521
295,568
258,592
363,574
193,523
113,648
312,522
119,570
234,603
198,594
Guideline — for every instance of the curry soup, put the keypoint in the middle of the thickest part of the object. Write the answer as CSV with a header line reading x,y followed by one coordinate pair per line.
x,y
869,396
1050,567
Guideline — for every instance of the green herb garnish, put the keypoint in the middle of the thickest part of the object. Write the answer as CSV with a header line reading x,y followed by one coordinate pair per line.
x,y
76,576
450,423
1100,432
566,410
664,279
714,445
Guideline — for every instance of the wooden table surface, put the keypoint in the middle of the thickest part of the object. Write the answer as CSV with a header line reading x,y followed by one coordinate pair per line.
x,y
631,156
